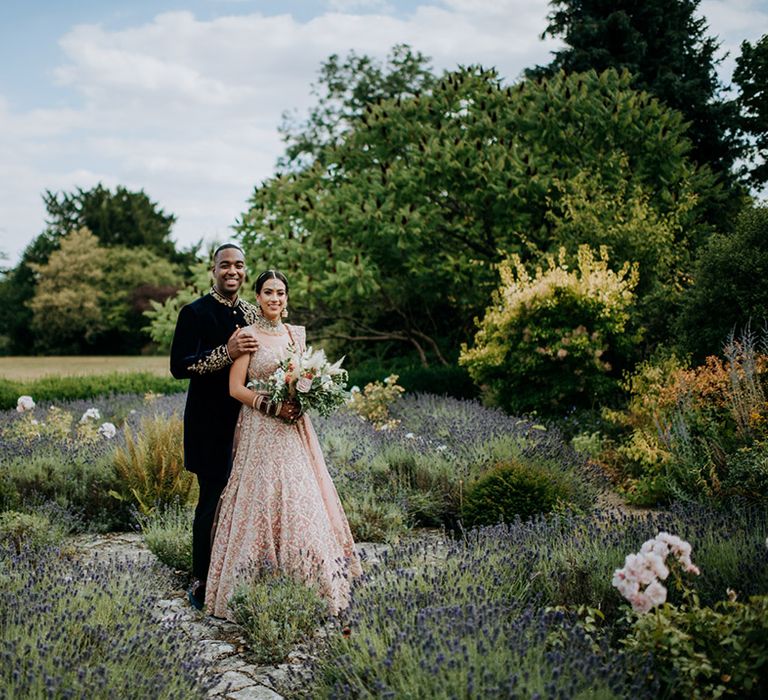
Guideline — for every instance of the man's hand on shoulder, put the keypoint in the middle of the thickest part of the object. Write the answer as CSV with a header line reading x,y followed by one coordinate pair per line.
x,y
242,341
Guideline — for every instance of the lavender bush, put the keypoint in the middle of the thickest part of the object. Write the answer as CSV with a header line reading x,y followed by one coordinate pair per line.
x,y
70,630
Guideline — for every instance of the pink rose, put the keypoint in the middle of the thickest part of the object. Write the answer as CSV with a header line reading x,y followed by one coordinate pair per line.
x,y
304,385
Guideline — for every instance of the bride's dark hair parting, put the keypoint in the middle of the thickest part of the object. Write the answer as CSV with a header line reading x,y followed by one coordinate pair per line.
x,y
269,275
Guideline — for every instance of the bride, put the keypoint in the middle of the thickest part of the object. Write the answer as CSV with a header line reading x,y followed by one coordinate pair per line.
x,y
280,505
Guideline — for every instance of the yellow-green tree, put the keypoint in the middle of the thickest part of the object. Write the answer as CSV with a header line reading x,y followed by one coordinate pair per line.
x,y
549,340
90,299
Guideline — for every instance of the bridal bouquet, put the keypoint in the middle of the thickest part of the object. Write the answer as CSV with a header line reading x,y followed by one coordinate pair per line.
x,y
308,378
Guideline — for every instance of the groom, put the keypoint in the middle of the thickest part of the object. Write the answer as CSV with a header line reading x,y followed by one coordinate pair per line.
x,y
207,339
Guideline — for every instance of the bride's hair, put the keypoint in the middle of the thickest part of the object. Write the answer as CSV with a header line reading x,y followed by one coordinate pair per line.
x,y
269,275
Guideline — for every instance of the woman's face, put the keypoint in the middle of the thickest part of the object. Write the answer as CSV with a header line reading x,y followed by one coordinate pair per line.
x,y
272,299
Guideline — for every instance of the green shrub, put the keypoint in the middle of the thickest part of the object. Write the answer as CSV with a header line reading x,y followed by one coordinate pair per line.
x,y
514,490
89,629
550,341
69,388
276,612
168,534
150,468
702,652
31,530
448,380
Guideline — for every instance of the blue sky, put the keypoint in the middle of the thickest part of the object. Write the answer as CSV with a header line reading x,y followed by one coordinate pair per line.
x,y
183,98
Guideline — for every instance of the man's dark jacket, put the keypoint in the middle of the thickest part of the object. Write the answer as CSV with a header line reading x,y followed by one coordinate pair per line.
x,y
199,352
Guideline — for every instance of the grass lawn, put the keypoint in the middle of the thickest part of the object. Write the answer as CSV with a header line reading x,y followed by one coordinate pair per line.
x,y
27,368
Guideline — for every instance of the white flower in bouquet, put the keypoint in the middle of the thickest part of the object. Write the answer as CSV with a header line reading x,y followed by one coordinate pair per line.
x,y
107,430
24,403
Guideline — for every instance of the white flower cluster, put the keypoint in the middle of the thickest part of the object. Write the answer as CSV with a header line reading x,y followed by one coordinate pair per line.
x,y
90,414
24,403
107,430
639,580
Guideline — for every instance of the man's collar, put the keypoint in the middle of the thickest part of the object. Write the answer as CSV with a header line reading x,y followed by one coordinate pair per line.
x,y
218,296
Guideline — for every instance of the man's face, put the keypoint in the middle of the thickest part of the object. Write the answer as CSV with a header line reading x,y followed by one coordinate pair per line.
x,y
229,271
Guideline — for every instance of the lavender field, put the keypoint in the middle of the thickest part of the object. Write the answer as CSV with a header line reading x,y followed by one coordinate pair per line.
x,y
513,607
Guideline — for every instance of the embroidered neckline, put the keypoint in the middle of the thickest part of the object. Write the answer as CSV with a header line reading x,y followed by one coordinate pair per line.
x,y
276,327
218,296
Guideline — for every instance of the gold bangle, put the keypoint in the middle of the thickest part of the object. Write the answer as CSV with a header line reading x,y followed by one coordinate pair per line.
x,y
253,403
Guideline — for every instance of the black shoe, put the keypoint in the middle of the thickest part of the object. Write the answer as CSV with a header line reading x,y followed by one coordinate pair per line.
x,y
196,595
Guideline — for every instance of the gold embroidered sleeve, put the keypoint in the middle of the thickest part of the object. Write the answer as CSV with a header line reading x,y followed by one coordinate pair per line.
x,y
217,359
249,312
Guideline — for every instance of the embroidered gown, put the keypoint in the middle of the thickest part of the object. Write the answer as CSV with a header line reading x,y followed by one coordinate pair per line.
x,y
280,504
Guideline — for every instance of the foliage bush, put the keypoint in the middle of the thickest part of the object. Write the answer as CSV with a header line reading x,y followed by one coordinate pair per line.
x,y
89,630
168,534
550,341
150,467
276,612
33,530
513,490
374,401
372,519
702,652
55,388
697,433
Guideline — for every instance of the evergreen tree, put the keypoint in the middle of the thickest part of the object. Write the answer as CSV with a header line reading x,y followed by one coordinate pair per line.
x,y
751,75
664,44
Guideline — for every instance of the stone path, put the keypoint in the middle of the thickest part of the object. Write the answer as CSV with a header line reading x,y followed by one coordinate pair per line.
x,y
234,676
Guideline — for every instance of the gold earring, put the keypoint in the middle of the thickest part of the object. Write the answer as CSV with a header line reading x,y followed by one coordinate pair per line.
x,y
284,312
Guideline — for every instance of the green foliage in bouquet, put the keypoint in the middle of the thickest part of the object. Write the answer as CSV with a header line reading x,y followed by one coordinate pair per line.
x,y
276,612
549,340
150,468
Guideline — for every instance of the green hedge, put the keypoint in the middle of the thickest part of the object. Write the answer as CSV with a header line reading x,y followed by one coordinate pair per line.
x,y
87,387
436,379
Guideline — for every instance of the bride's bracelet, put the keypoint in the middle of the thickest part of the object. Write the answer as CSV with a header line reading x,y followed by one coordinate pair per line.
x,y
264,405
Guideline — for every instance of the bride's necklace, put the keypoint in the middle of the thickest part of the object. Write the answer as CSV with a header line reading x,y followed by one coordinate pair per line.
x,y
275,327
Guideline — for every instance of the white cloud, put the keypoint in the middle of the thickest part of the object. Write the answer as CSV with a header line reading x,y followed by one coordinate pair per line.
x,y
188,109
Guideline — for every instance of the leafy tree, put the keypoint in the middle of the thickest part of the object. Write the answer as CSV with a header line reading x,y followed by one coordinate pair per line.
x,y
66,307
664,44
343,90
87,297
751,75
395,236
730,286
119,218
162,316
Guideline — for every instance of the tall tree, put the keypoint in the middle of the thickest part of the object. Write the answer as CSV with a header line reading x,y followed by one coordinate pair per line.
x,y
664,44
119,218
343,90
751,75
396,236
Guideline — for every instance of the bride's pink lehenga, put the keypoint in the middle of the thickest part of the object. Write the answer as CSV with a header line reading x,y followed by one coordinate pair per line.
x,y
280,504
